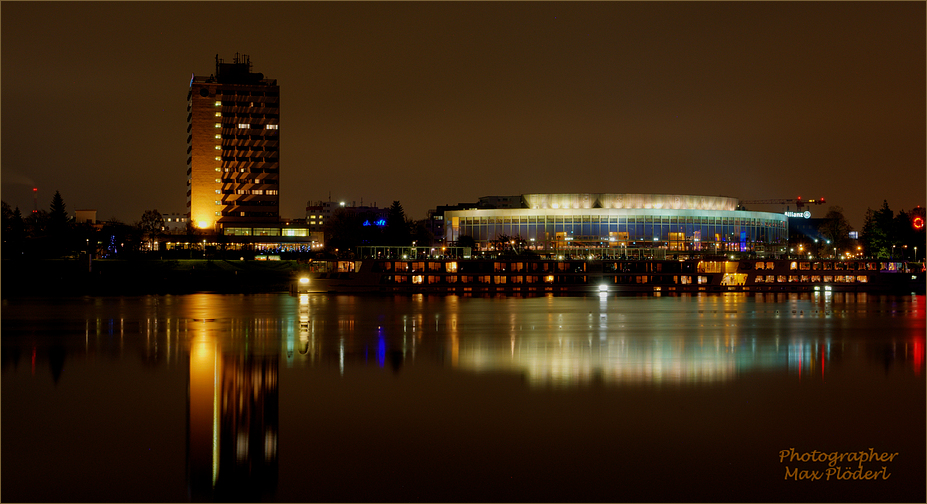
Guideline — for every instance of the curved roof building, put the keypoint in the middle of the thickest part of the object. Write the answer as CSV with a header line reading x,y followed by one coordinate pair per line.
x,y
674,222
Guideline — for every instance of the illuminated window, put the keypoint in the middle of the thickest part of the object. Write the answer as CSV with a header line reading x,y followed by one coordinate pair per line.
x,y
218,147
218,169
218,181
218,158
218,136
272,126
244,126
218,114
217,213
218,103
218,191
218,202
218,125
271,192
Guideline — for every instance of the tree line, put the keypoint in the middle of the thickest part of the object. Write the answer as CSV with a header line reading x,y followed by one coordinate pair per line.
x,y
52,233
887,234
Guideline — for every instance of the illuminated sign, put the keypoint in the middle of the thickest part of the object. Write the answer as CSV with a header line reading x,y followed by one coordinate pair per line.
x,y
806,214
378,222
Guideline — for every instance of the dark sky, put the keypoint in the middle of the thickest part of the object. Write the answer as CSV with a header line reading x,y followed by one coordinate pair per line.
x,y
439,103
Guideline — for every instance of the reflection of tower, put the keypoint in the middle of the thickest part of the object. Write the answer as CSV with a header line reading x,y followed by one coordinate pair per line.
x,y
232,424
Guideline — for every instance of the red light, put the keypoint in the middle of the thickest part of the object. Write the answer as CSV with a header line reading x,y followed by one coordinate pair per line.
x,y
918,223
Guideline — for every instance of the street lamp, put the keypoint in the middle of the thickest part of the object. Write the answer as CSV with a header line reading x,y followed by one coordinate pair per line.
x,y
893,251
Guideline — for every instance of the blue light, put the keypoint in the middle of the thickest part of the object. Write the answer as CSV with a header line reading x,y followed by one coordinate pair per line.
x,y
381,350
381,222
366,223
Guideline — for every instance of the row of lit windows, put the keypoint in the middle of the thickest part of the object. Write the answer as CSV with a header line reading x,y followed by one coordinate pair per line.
x,y
250,126
227,103
811,278
451,267
635,279
835,265
479,279
644,219
245,231
260,192
245,170
610,232
247,181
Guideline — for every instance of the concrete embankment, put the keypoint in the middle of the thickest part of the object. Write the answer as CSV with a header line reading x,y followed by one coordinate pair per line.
x,y
24,277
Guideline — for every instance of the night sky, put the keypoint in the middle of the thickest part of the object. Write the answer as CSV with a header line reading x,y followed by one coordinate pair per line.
x,y
439,103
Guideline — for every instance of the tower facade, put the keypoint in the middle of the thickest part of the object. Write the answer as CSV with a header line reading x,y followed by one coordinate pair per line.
x,y
233,147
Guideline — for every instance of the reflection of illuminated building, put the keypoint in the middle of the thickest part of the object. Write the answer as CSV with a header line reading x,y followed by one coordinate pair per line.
x,y
574,361
232,423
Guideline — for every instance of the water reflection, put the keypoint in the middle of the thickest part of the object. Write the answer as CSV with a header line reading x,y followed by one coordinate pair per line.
x,y
550,341
232,421
231,352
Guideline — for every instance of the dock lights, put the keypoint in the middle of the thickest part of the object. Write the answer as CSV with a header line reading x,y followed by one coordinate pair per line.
x,y
304,280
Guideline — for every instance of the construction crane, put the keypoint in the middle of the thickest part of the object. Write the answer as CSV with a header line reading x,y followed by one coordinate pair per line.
x,y
797,201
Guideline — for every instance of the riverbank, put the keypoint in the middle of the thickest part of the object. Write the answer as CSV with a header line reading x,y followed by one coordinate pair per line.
x,y
113,277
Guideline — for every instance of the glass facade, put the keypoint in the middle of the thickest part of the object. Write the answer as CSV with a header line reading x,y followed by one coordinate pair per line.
x,y
678,230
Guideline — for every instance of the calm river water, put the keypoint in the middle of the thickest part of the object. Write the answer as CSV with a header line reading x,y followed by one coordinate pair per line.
x,y
716,397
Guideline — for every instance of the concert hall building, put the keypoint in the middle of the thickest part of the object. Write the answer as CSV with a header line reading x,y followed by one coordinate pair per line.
x,y
620,224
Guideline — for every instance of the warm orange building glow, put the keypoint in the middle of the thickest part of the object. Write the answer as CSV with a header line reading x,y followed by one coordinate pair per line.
x,y
233,164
